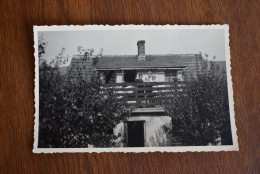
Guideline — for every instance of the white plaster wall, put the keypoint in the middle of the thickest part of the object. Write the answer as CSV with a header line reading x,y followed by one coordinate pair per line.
x,y
119,78
160,77
154,134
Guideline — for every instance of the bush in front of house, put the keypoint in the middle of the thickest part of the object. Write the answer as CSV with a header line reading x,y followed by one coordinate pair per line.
x,y
75,114
200,113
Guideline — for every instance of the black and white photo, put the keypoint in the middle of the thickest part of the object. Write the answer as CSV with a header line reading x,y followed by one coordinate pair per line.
x,y
133,88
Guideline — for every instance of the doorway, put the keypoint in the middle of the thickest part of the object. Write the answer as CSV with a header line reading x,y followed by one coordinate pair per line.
x,y
135,133
129,75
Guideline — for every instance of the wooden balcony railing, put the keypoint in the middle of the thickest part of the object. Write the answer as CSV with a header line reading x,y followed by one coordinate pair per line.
x,y
146,94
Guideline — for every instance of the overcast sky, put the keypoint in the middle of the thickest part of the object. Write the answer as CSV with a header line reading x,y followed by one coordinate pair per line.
x,y
124,42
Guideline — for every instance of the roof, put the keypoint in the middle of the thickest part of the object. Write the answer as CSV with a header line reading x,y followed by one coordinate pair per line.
x,y
151,61
221,64
63,70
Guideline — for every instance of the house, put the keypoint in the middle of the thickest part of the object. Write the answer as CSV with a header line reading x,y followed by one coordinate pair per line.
x,y
141,78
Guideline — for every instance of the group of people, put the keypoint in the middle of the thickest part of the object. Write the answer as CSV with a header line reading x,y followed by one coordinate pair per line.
x,y
145,93
149,78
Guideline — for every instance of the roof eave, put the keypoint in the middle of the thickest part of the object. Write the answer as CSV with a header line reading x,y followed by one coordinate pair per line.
x,y
138,68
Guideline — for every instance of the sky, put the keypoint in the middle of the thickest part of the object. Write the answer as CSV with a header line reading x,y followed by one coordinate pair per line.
x,y
124,42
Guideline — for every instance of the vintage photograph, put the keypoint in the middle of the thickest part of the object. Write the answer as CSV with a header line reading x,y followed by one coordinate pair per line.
x,y
133,88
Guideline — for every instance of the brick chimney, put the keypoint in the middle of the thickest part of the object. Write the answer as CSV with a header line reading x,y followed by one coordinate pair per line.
x,y
141,50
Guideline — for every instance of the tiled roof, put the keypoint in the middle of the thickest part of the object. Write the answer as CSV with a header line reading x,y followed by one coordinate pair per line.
x,y
221,64
63,70
156,61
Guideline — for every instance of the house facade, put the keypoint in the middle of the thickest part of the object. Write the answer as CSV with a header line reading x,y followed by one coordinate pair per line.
x,y
142,79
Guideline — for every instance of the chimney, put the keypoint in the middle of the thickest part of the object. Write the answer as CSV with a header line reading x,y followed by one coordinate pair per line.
x,y
141,50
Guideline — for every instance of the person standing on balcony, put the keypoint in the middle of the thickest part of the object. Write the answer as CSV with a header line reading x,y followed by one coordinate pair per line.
x,y
102,78
149,78
148,91
179,76
180,80
154,78
154,86
139,93
140,78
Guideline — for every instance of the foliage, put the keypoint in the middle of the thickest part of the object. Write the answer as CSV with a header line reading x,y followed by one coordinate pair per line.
x,y
200,114
160,138
75,114
41,48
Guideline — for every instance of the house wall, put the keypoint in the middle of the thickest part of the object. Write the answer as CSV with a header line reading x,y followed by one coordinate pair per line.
x,y
154,134
119,77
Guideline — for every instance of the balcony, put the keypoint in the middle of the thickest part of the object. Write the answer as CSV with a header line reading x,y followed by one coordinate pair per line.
x,y
146,94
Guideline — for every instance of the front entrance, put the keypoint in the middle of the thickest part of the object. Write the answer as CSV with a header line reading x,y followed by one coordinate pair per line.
x,y
135,133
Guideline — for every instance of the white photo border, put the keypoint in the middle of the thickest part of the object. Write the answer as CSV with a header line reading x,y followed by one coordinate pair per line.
x,y
225,27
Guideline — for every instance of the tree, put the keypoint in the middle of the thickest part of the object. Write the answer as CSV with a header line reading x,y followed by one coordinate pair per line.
x,y
76,114
41,48
200,114
90,115
50,102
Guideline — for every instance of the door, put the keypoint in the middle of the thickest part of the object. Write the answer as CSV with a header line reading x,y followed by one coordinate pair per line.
x,y
129,76
135,133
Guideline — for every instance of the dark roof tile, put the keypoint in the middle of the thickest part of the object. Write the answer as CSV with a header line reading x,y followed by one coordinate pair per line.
x,y
126,61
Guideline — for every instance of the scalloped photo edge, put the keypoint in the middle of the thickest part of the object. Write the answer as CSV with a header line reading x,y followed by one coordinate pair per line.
x,y
119,28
